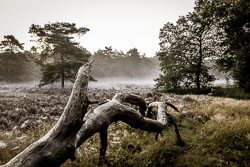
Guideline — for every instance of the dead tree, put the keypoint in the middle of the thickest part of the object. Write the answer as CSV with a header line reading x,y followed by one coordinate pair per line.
x,y
76,125
101,117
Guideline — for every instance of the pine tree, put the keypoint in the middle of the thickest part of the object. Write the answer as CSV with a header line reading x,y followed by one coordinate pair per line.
x,y
60,55
11,45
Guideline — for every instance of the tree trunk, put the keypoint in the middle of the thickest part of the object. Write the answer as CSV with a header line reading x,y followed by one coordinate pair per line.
x,y
198,72
58,144
11,48
62,82
62,73
198,86
74,127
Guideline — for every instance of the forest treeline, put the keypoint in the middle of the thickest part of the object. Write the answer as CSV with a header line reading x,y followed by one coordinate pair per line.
x,y
108,63
18,67
111,63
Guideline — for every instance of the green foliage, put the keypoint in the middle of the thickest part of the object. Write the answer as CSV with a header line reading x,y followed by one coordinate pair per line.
x,y
11,45
230,92
189,91
10,67
17,67
233,17
60,55
185,50
236,93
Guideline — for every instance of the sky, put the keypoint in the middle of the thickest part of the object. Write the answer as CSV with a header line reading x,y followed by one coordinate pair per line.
x,y
122,24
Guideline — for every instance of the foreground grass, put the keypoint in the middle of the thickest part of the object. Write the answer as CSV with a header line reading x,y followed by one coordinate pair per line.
x,y
216,133
17,141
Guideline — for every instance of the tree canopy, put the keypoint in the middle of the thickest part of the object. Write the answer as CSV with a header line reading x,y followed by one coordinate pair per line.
x,y
216,31
61,55
233,17
186,48
11,45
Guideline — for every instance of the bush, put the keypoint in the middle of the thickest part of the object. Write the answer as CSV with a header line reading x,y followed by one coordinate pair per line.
x,y
189,91
236,93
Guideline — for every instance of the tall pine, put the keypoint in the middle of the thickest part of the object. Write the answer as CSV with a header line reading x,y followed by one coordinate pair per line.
x,y
61,55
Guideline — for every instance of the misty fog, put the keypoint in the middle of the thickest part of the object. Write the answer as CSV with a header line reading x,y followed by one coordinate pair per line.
x,y
110,70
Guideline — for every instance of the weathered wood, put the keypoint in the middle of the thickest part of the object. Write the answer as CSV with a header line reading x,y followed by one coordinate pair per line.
x,y
104,143
164,117
114,111
132,99
58,144
161,112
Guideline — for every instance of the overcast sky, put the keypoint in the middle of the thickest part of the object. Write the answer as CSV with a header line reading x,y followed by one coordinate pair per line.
x,y
122,24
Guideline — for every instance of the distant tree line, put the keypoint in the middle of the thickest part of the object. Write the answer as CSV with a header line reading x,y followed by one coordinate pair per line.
x,y
216,31
15,64
111,63
18,67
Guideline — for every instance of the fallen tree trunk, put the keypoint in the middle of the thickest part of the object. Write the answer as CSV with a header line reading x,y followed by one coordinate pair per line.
x,y
99,119
58,144
76,125
114,111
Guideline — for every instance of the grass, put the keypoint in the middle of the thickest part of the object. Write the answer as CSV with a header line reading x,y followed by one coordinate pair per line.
x,y
216,133
18,141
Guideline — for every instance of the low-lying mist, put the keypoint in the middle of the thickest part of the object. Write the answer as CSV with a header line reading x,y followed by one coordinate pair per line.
x,y
118,83
106,83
